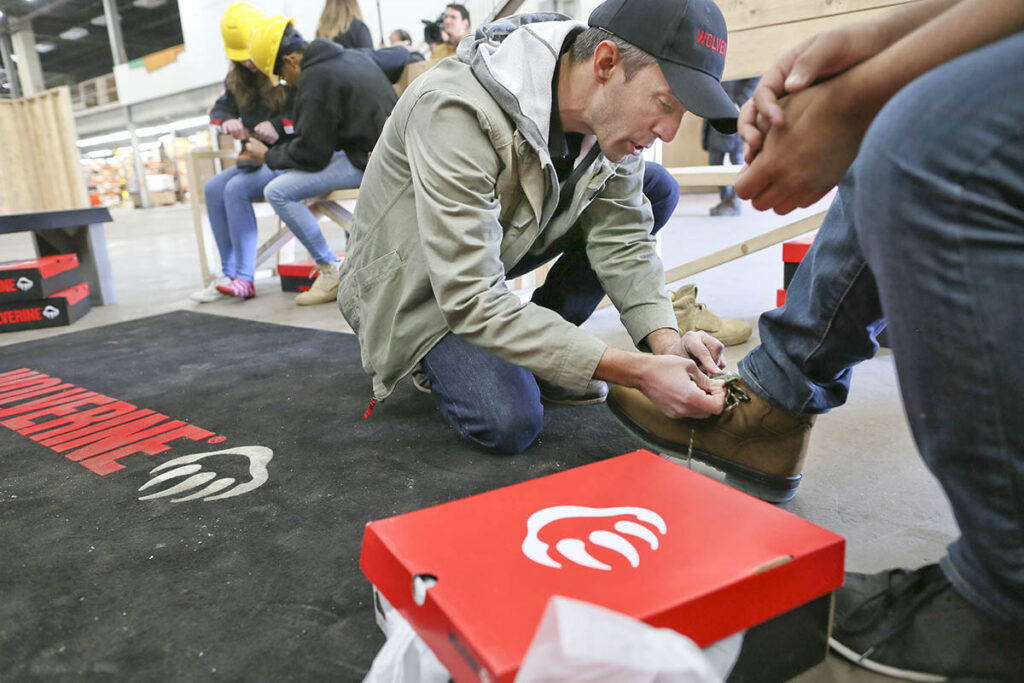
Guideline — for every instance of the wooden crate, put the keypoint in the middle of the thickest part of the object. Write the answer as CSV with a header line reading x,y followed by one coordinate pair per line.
x,y
39,160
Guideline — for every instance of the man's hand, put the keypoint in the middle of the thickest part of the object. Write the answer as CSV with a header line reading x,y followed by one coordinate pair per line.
x,y
235,128
804,159
266,132
255,149
708,352
679,388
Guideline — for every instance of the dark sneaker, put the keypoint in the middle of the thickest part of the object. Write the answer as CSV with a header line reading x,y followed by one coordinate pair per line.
x,y
915,626
596,392
726,207
760,448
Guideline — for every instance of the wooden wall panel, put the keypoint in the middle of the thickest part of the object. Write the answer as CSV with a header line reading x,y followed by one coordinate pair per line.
x,y
39,167
746,14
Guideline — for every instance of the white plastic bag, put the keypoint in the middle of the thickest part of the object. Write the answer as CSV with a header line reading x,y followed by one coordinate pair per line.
x,y
405,658
578,641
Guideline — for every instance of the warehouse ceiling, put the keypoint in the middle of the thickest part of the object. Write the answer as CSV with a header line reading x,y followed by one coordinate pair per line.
x,y
83,51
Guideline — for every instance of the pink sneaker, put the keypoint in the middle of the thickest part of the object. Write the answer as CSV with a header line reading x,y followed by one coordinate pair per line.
x,y
239,288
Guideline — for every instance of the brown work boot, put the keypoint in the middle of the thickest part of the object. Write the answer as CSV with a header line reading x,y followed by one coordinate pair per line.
x,y
693,316
760,448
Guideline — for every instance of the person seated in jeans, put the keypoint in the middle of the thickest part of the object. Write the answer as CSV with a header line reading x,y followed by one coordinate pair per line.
x,y
342,99
250,107
914,117
482,174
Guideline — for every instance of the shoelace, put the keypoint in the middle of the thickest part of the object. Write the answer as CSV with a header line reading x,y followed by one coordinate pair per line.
x,y
915,589
734,395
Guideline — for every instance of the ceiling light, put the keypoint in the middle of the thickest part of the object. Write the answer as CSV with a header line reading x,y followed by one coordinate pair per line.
x,y
101,20
149,4
75,33
43,48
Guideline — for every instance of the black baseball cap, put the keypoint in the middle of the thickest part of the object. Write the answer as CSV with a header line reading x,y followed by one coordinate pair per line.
x,y
688,38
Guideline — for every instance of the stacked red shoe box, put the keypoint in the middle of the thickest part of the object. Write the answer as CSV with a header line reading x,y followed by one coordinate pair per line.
x,y
43,292
298,276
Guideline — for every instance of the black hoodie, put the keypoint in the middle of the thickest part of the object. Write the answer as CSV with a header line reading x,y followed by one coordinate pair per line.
x,y
342,100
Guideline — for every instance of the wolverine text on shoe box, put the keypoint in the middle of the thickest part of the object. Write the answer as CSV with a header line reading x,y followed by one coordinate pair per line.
x,y
34,279
637,534
60,308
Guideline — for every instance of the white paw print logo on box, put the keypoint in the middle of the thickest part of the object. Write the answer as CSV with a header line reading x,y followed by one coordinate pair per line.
x,y
577,531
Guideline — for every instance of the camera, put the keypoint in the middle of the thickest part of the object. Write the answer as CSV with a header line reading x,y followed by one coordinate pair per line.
x,y
432,30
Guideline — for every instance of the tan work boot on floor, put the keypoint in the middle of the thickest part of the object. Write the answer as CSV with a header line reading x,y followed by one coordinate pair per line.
x,y
760,448
325,287
693,316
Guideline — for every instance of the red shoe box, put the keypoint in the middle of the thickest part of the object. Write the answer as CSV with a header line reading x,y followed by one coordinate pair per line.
x,y
36,279
295,277
56,310
665,545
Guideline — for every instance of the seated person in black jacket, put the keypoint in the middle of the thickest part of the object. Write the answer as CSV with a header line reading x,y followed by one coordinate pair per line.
x,y
341,101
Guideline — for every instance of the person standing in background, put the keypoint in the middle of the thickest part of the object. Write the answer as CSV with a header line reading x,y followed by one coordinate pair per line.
x,y
719,146
342,22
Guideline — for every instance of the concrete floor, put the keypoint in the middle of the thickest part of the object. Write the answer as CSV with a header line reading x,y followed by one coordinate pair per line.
x,y
863,478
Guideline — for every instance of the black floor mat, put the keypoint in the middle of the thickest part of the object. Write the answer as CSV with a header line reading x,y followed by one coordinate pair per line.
x,y
97,584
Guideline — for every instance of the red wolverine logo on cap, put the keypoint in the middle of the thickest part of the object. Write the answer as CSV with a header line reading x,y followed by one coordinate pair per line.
x,y
711,41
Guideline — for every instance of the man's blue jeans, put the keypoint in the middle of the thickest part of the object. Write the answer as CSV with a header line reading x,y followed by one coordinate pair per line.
x,y
933,209
286,193
494,403
229,198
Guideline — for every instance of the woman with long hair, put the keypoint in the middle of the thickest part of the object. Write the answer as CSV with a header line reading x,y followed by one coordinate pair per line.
x,y
251,106
342,22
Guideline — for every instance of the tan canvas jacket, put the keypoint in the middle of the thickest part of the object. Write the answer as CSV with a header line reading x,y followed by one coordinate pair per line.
x,y
459,188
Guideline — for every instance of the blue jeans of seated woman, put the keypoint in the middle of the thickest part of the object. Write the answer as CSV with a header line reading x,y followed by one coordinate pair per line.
x,y
929,227
229,198
286,192
494,403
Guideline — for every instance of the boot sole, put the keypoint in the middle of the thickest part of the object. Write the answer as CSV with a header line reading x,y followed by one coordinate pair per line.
x,y
768,487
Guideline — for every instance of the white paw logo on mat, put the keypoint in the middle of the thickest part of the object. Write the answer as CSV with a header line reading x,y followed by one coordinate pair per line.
x,y
50,312
24,284
575,549
197,478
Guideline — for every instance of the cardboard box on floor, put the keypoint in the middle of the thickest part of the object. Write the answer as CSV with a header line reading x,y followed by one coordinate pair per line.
x,y
58,309
299,275
38,278
637,534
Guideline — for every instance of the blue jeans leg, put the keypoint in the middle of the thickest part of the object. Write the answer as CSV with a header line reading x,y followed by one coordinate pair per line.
x,y
940,203
571,287
716,157
830,322
286,192
240,192
485,399
217,212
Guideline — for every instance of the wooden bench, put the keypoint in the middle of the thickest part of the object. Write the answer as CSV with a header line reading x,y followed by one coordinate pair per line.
x,y
691,176
71,231
199,163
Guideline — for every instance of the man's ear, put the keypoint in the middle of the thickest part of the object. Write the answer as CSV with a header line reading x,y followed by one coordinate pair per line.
x,y
606,59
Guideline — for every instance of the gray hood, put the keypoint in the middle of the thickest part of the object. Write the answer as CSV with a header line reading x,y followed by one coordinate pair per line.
x,y
514,59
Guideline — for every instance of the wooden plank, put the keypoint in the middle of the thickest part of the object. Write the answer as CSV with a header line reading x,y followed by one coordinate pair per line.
x,y
753,51
746,14
735,251
52,151
700,176
69,149
731,253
